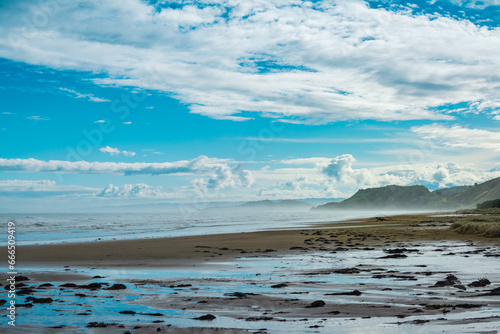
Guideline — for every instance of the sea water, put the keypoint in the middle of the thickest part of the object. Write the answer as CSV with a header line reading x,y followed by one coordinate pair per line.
x,y
78,227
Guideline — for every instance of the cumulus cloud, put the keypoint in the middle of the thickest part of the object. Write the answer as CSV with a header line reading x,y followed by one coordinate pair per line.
x,y
224,176
341,172
458,136
339,166
217,173
295,61
139,190
115,151
88,97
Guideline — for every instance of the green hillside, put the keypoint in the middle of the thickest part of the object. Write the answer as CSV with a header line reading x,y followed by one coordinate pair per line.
x,y
393,197
419,197
478,193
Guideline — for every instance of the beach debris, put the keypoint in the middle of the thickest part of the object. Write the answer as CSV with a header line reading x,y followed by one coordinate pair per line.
x,y
347,293
117,286
482,282
316,303
207,317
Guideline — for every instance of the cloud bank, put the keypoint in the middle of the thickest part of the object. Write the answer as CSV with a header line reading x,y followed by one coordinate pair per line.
x,y
218,173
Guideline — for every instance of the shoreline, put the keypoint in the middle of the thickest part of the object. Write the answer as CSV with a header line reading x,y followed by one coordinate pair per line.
x,y
179,251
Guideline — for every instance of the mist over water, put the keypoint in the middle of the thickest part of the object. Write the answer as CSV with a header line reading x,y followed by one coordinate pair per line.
x,y
78,227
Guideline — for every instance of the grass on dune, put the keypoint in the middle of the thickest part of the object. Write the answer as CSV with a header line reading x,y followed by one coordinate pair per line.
x,y
490,229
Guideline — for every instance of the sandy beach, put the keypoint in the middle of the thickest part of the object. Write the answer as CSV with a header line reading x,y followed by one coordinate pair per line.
x,y
391,273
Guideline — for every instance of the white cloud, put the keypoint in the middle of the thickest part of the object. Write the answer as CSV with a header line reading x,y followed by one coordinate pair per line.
x,y
27,184
100,121
139,190
457,136
127,123
39,188
115,151
306,161
218,173
325,61
37,118
88,97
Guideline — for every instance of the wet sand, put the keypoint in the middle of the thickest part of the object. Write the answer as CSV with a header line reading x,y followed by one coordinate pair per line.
x,y
385,273
195,249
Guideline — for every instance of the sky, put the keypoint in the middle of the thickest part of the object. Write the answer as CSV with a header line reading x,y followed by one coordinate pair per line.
x,y
128,102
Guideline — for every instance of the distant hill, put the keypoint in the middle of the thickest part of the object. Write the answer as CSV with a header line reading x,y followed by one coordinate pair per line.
x,y
447,192
286,204
478,193
419,197
392,197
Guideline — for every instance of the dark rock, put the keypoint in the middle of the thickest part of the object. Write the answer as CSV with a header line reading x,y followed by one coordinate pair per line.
x,y
154,314
25,305
117,286
316,303
277,286
91,286
480,283
240,294
350,293
469,305
207,317
45,285
25,291
21,278
399,250
68,285
262,318
99,324
2,301
35,300
394,256
180,286
346,271
127,312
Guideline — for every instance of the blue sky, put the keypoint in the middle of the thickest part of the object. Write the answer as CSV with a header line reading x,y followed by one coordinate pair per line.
x,y
122,102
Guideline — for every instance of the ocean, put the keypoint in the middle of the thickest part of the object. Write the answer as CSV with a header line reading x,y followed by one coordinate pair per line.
x,y
34,229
